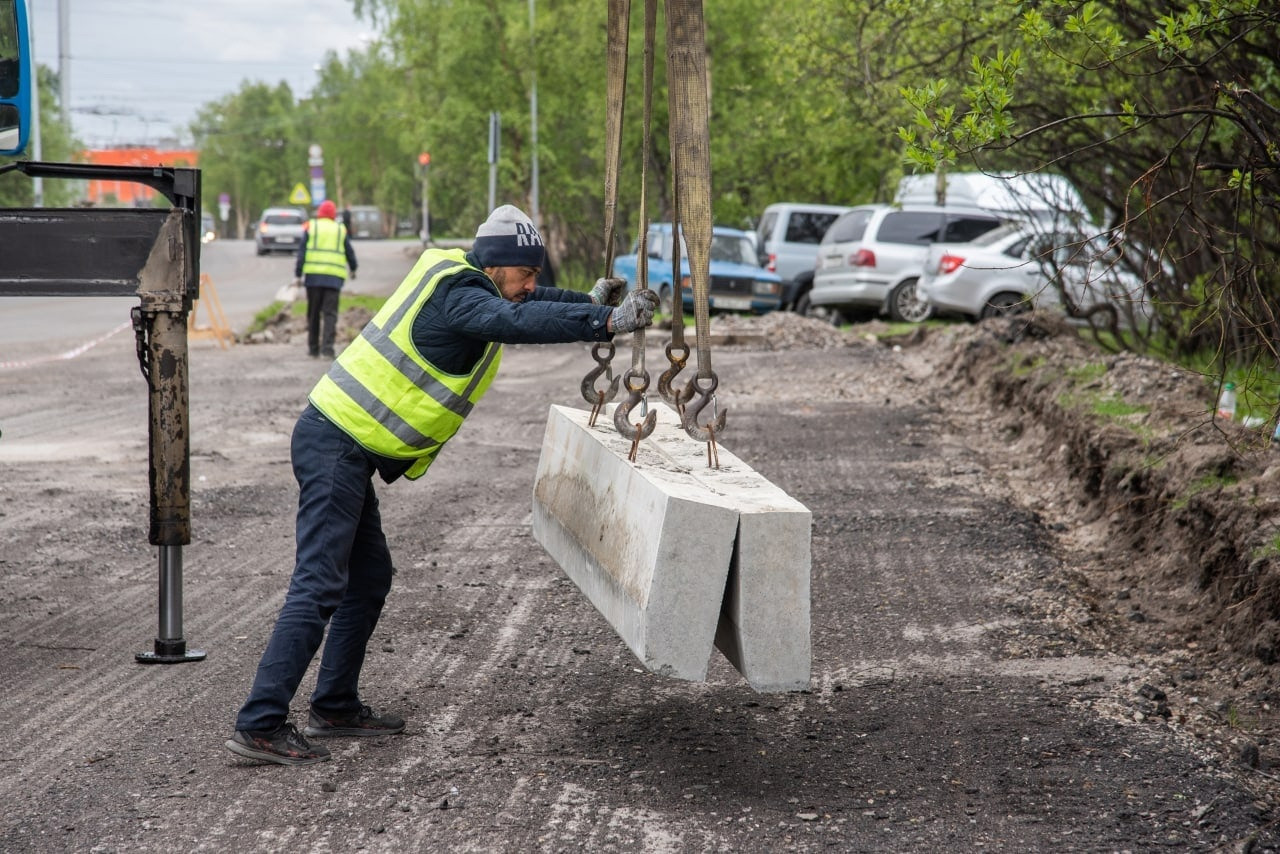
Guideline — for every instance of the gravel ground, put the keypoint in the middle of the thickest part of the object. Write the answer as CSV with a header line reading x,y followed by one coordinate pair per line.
x,y
979,681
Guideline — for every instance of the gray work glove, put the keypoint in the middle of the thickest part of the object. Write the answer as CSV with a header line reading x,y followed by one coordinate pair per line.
x,y
608,291
635,312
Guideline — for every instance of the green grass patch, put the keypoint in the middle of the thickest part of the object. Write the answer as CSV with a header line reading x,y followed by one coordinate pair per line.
x,y
298,308
899,330
1086,395
1085,374
1203,484
1117,408
1269,549
1021,366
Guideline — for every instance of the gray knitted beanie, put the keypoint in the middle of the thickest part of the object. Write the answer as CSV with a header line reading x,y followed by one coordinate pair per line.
x,y
508,239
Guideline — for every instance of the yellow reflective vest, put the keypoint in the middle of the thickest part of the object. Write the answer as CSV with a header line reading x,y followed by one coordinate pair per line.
x,y
326,248
385,395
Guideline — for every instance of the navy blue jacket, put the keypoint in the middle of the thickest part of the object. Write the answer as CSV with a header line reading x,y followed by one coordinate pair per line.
x,y
464,314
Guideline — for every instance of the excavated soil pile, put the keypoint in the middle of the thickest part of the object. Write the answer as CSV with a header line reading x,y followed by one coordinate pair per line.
x,y
1175,501
285,327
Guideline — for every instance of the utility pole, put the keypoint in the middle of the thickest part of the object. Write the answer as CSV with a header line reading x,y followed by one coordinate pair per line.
x,y
424,162
533,121
495,133
64,59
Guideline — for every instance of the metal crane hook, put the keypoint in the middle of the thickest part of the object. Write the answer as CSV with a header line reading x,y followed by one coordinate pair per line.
x,y
689,421
602,352
637,383
670,394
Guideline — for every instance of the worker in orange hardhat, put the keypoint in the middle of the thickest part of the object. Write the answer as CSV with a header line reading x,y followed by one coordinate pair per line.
x,y
323,261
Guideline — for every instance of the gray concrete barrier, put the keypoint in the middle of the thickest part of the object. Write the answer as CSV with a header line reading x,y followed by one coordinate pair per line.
x,y
678,557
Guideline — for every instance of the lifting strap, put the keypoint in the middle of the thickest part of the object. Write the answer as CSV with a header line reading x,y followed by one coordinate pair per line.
x,y
636,379
619,28
689,138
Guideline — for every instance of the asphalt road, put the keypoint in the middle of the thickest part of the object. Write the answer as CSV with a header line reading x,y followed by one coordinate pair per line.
x,y
948,711
46,327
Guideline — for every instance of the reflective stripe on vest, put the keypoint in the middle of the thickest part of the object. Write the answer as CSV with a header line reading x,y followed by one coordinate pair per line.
x,y
385,395
326,249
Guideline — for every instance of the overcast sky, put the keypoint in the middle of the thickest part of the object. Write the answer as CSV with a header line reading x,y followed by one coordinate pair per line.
x,y
141,68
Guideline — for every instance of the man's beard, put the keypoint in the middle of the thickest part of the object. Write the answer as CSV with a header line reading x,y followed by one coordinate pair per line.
x,y
499,277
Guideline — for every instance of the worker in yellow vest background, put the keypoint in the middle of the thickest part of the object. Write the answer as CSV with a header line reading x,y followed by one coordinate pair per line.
x,y
324,260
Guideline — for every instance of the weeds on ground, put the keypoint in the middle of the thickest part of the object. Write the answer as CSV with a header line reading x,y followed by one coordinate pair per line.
x,y
1269,549
1203,484
299,308
1087,394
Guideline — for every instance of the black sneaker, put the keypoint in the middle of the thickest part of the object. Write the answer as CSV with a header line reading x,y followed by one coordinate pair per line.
x,y
363,722
282,745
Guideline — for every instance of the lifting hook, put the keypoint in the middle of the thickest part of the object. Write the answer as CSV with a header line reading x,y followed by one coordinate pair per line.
x,y
675,397
637,383
689,420
602,352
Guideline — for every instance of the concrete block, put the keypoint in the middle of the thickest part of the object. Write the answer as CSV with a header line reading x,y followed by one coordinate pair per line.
x,y
676,555
639,539
764,627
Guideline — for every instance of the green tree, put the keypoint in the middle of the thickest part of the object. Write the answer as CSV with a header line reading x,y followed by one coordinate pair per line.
x,y
251,149
1169,120
369,158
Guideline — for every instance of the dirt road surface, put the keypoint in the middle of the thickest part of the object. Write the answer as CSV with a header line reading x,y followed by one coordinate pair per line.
x,y
956,703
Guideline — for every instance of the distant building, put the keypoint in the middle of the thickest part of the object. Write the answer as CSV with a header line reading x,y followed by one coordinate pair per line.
x,y
127,193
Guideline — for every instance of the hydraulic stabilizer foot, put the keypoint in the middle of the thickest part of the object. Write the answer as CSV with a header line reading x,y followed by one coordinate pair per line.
x,y
171,648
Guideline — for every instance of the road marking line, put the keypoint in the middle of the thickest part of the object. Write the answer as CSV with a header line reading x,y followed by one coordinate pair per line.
x,y
70,354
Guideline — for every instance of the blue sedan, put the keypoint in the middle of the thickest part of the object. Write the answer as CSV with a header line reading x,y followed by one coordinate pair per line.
x,y
738,282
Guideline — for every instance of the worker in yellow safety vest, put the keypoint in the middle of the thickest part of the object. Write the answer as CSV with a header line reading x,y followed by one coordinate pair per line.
x,y
322,264
387,406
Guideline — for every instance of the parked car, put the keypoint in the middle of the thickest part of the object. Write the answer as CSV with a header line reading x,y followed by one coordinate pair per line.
x,y
208,228
872,256
737,281
367,223
787,238
1017,267
279,230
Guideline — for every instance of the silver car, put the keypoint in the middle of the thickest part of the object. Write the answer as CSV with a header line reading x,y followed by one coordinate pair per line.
x,y
1016,268
872,256
279,230
787,238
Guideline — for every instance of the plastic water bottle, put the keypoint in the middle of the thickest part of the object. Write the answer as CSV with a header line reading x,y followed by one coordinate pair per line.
x,y
1227,402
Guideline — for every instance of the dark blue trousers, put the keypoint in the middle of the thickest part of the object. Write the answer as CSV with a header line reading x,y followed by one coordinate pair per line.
x,y
341,578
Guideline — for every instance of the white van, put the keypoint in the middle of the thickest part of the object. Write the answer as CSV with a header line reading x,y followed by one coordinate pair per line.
x,y
1038,197
787,239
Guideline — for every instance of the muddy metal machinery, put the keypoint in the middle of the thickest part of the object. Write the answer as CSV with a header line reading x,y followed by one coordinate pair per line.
x,y
155,254
152,253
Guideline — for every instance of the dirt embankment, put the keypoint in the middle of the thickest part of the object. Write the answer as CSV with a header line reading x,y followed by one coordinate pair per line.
x,y
1176,514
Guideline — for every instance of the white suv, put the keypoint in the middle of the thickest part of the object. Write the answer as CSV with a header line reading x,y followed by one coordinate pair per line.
x,y
787,238
872,256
